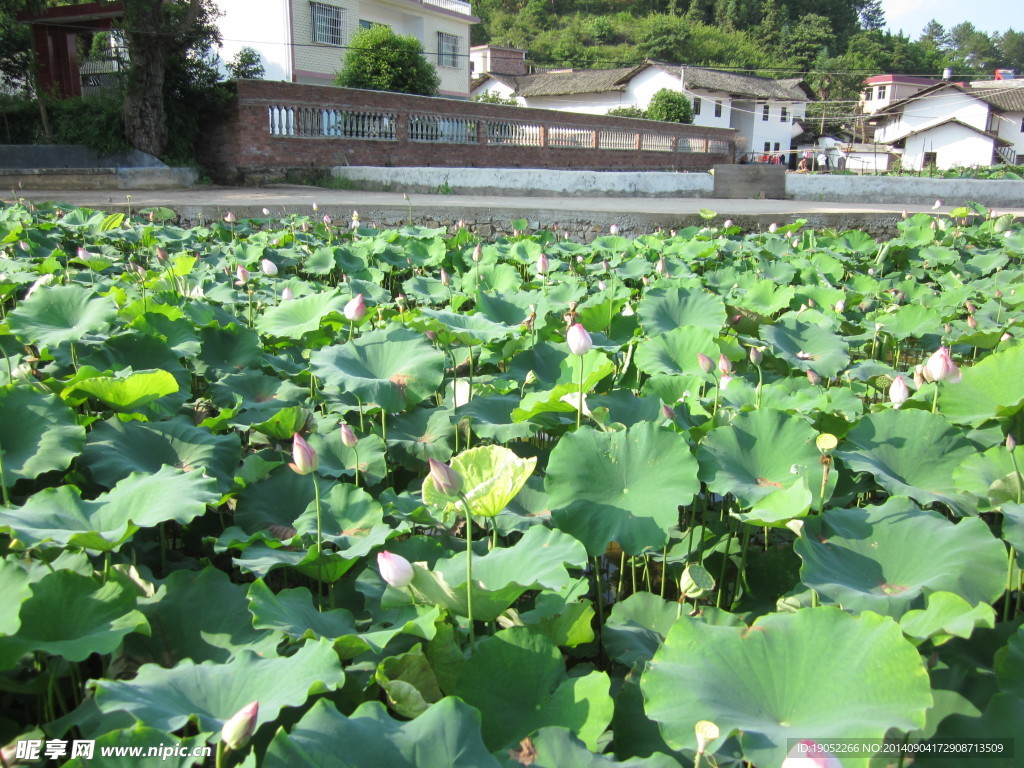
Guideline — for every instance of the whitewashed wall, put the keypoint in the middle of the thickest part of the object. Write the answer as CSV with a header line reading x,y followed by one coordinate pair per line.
x,y
261,25
954,145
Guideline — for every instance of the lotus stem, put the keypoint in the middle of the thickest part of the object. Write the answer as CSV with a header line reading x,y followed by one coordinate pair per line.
x,y
1008,599
600,605
319,543
1016,468
935,399
3,480
579,411
220,754
741,573
469,570
725,565
760,382
664,571
355,449
622,572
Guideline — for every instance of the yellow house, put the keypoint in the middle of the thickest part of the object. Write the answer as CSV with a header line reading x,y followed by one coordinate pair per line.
x,y
305,42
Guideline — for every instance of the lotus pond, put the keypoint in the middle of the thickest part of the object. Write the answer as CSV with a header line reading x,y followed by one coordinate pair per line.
x,y
721,489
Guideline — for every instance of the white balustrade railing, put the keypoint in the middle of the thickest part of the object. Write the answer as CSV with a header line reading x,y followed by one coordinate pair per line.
x,y
457,6
312,121
656,142
514,134
442,130
616,140
577,138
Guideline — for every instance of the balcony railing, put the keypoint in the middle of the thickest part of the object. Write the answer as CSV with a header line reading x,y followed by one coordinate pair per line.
x,y
456,6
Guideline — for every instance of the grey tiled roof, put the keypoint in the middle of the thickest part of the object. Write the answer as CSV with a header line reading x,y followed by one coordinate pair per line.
x,y
736,84
574,82
1007,98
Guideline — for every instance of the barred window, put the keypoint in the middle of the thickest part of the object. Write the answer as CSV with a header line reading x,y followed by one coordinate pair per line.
x,y
784,115
696,105
328,24
447,50
718,108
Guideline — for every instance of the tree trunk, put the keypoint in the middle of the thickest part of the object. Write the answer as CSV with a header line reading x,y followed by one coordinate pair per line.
x,y
145,121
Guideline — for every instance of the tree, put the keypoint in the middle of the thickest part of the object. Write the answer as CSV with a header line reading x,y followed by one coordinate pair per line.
x,y
380,60
247,65
670,107
808,39
872,16
662,37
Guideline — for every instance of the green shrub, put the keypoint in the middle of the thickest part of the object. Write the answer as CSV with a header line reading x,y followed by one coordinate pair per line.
x,y
670,107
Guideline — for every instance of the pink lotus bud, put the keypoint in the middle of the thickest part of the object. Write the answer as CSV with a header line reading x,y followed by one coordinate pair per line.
x,y
660,266
918,376
543,265
287,295
727,224
605,265
266,211
947,327
1011,442
461,224
1006,336
810,754
394,569
601,285
304,458
645,280
478,252
431,335
667,412
83,254
348,437
971,322
998,294
756,355
229,217
24,246
936,205
241,275
706,363
940,367
905,215
969,307
614,229
735,319
813,377
355,309
327,219
446,279
724,365
446,479
773,227
317,207
161,254
723,382
840,306
871,271
899,392
578,340
239,729
268,268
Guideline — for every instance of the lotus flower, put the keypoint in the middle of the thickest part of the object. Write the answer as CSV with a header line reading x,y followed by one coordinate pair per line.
x,y
239,729
287,295
446,279
161,254
724,365
579,340
478,252
446,479
756,355
706,363
773,227
355,219
727,224
268,268
304,458
936,205
394,569
229,217
348,437
899,392
241,275
813,377
543,265
266,211
355,309
809,754
614,229
723,382
327,219
83,254
1011,442
940,367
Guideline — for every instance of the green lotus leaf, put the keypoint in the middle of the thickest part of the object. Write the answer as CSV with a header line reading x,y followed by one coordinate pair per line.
x,y
394,368
765,298
888,558
522,703
552,364
1000,721
60,517
292,319
110,749
768,460
1013,528
421,434
556,747
778,680
73,616
117,448
676,351
198,615
988,389
637,627
807,346
14,590
228,350
1009,664
491,477
292,612
946,616
337,459
911,453
347,516
38,434
992,475
446,734
409,682
467,329
134,391
537,561
665,309
912,320
211,693
620,486
490,417
61,313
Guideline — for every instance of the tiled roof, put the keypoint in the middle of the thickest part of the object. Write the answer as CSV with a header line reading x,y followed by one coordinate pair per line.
x,y
737,84
949,121
1007,98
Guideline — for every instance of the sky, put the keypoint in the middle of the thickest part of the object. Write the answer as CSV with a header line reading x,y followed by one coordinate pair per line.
x,y
987,15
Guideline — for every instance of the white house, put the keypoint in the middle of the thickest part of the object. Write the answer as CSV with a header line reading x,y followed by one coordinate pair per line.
x,y
882,90
305,42
766,113
950,125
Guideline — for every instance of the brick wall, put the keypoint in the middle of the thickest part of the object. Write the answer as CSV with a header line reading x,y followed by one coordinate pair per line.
x,y
242,147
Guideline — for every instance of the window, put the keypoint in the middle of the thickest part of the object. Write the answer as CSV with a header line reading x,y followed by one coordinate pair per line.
x,y
328,24
776,146
767,146
1022,125
364,24
764,112
696,105
718,108
447,50
930,159
881,91
867,94
784,115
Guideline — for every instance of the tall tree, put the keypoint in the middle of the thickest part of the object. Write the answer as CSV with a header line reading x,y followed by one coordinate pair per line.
x,y
1011,50
872,16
